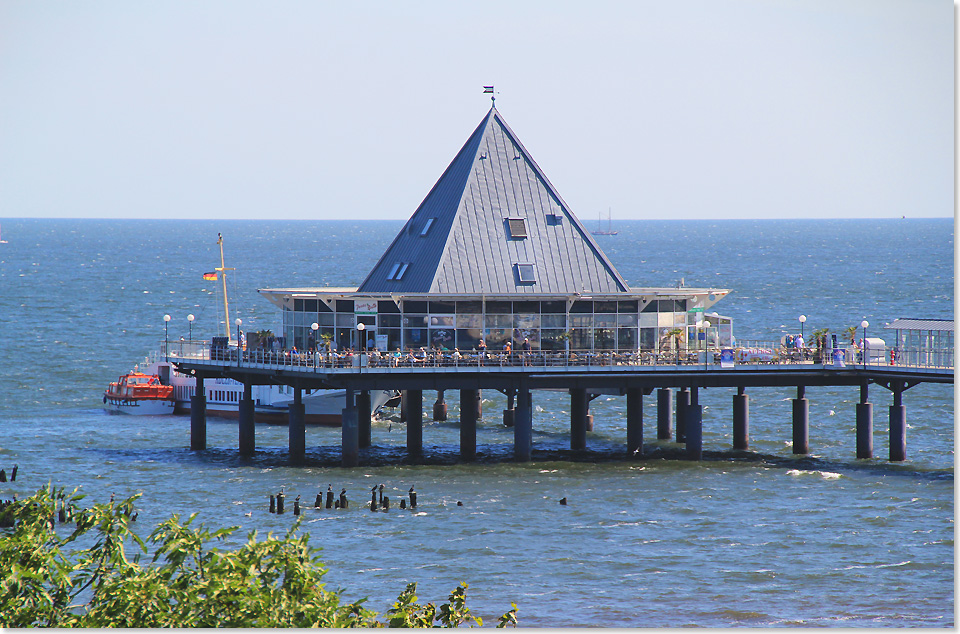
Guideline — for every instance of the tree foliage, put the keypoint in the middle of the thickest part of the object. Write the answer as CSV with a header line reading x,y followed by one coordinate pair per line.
x,y
178,577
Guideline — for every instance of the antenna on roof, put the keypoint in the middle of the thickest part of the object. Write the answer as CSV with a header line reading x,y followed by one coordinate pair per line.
x,y
489,90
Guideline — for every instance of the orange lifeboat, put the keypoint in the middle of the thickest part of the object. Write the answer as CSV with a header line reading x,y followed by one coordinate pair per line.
x,y
139,393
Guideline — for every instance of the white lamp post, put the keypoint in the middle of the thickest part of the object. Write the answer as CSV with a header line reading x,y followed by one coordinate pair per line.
x,y
864,324
360,329
238,322
706,341
190,319
802,319
166,331
314,327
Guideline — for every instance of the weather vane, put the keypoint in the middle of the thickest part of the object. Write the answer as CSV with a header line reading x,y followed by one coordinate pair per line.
x,y
489,90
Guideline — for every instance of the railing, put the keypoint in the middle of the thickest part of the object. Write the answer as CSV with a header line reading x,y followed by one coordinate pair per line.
x,y
756,353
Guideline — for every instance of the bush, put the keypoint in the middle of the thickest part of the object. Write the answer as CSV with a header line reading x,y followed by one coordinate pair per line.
x,y
188,582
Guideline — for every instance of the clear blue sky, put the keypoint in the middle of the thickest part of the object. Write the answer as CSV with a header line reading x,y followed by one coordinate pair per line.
x,y
323,110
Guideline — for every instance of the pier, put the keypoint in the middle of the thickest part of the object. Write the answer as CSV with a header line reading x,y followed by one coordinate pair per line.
x,y
581,376
495,284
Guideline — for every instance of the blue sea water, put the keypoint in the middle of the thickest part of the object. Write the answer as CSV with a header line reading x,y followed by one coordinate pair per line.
x,y
775,541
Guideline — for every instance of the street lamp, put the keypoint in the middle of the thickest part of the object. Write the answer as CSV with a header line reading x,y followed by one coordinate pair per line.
x,y
802,319
238,322
190,319
864,324
314,327
166,331
360,328
706,341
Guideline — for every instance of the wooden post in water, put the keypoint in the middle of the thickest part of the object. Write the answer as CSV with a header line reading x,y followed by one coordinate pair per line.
x,y
415,423
364,414
578,419
635,421
741,419
683,401
664,413
468,424
198,417
248,443
864,425
801,422
694,426
296,432
898,424
523,426
349,433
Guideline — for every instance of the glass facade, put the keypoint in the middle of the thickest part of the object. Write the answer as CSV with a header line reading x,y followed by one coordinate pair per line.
x,y
550,324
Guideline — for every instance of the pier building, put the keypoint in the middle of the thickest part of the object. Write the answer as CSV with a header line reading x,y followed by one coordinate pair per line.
x,y
493,283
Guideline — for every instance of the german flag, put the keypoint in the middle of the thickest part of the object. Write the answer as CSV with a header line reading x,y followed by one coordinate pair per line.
x,y
212,276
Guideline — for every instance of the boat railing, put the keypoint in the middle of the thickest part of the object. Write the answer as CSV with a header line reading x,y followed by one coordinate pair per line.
x,y
744,353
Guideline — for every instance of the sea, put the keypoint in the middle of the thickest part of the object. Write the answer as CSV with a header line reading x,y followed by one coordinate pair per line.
x,y
762,540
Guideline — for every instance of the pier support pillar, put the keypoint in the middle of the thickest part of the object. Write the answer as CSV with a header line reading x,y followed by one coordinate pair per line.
x,y
479,404
247,435
440,407
864,425
198,418
694,426
898,425
634,421
683,401
523,426
364,414
415,423
578,419
404,400
297,431
468,424
664,413
349,432
509,414
741,420
801,422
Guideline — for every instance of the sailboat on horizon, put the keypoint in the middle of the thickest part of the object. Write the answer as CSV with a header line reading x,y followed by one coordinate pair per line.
x,y
609,231
2,241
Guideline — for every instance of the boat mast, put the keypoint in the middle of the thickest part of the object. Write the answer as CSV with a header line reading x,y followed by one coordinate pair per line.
x,y
222,269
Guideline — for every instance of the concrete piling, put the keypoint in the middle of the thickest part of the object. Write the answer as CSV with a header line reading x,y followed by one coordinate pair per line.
x,y
683,400
694,426
864,425
741,420
329,504
246,428
635,421
280,498
318,503
413,498
364,417
296,506
198,417
297,433
510,414
578,419
440,407
344,503
523,427
373,499
13,473
898,425
273,504
469,408
801,422
415,423
664,413
349,434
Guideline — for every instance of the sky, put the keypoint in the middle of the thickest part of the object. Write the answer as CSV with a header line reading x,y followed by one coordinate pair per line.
x,y
352,110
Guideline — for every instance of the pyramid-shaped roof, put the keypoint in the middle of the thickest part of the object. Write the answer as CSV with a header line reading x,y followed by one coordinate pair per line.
x,y
493,224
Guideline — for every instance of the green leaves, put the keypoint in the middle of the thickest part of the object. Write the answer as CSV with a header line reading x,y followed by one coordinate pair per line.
x,y
189,582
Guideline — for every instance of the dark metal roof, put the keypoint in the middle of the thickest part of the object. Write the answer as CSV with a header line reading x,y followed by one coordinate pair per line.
x,y
921,324
469,246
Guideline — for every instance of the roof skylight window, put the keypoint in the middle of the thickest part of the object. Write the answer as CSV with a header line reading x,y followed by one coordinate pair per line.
x,y
526,273
518,228
554,220
397,270
426,227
